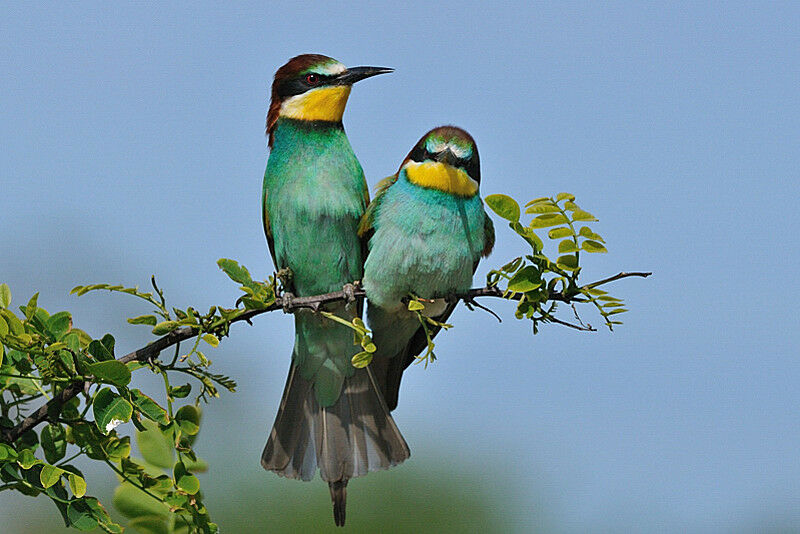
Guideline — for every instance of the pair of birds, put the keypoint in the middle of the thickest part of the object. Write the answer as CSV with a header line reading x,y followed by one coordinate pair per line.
x,y
423,233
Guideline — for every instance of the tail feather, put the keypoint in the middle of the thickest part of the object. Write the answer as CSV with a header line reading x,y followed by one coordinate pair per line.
x,y
349,439
339,498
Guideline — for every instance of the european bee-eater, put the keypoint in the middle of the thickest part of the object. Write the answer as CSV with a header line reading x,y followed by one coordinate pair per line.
x,y
332,415
427,230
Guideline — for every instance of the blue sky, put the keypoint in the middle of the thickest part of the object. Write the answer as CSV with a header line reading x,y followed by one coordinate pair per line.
x,y
133,143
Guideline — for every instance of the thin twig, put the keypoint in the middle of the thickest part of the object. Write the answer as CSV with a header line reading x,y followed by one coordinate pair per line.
x,y
617,276
583,328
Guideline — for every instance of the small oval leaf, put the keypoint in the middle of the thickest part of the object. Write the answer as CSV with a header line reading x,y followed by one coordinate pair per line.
x,y
558,233
593,246
505,206
112,371
77,484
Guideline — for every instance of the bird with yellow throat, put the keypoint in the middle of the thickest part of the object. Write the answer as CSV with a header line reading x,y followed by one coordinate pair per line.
x,y
332,416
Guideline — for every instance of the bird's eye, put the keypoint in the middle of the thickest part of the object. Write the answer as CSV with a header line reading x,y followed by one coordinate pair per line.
x,y
312,79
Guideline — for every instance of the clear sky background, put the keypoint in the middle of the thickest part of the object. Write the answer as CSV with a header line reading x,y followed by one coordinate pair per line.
x,y
132,142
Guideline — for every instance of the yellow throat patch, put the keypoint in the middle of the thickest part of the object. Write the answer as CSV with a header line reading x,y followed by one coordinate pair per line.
x,y
321,104
436,175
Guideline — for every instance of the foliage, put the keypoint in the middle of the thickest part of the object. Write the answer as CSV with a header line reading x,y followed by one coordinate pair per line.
x,y
45,357
534,278
86,397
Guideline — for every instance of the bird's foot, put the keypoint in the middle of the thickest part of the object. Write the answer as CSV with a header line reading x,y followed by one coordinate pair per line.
x,y
349,291
286,301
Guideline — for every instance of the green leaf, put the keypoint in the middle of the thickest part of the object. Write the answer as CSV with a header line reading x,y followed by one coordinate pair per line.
x,y
586,232
165,327
59,324
563,196
5,296
151,525
505,206
77,484
26,459
80,516
185,481
118,449
154,446
7,452
113,371
543,207
538,200
180,392
30,308
594,291
211,339
149,407
134,503
3,332
618,310
195,466
580,215
547,220
526,279
108,342
110,410
54,442
236,272
558,233
99,351
359,325
188,417
567,245
362,359
102,517
49,475
593,246
144,319
14,324
415,305
528,234
568,262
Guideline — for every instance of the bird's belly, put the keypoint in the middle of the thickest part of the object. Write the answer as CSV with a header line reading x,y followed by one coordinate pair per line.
x,y
426,265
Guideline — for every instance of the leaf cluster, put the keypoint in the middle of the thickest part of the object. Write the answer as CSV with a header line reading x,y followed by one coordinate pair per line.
x,y
533,279
46,357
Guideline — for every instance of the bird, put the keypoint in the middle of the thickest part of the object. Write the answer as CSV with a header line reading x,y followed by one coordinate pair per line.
x,y
426,230
332,416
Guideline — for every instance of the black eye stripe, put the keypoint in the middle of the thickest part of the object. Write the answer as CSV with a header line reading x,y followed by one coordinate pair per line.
x,y
300,85
471,165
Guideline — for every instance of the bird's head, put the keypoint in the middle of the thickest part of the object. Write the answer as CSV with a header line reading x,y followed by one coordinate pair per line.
x,y
446,158
313,87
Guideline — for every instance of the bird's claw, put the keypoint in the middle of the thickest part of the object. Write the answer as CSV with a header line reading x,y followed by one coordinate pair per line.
x,y
286,301
349,291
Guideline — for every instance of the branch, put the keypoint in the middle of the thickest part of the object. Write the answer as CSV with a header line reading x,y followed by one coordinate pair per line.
x,y
315,303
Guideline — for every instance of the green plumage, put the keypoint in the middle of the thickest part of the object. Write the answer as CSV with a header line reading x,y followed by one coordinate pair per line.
x,y
314,196
422,241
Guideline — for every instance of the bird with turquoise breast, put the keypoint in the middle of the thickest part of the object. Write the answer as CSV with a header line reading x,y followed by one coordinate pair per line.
x,y
427,230
332,415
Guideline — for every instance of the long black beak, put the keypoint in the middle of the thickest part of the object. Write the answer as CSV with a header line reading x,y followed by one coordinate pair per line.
x,y
355,74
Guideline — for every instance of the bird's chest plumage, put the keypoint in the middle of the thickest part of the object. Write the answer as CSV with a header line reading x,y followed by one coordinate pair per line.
x,y
425,242
314,199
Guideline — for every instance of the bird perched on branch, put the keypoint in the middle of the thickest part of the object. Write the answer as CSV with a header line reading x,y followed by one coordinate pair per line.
x,y
332,416
427,230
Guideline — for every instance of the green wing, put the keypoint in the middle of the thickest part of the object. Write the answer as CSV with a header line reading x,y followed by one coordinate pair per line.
x,y
365,229
267,228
